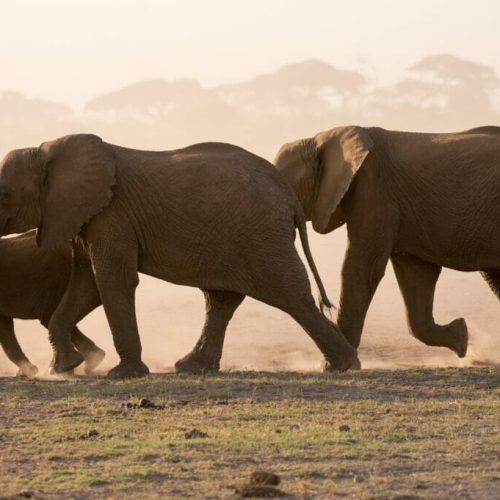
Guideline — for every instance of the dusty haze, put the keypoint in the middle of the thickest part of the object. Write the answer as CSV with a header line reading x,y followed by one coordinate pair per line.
x,y
166,87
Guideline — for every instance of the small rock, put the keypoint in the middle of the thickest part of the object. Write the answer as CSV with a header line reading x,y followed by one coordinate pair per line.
x,y
146,403
264,477
24,494
143,403
195,433
89,434
344,428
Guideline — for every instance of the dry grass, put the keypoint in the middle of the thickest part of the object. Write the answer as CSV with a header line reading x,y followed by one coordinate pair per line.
x,y
371,434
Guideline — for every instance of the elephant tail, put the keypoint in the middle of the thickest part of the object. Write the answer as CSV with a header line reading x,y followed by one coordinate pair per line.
x,y
324,302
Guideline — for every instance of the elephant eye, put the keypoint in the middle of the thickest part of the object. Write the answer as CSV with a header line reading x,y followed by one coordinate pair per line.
x,y
4,196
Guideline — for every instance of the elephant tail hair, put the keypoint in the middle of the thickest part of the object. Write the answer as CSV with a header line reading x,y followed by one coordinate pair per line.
x,y
325,304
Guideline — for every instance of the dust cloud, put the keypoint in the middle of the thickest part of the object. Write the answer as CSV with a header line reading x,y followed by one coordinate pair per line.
x,y
438,93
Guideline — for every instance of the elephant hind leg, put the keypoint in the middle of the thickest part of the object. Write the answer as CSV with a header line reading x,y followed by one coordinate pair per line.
x,y
10,345
417,281
92,354
492,277
206,355
284,284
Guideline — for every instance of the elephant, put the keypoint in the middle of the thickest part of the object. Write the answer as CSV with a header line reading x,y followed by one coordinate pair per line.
x,y
423,200
212,216
33,283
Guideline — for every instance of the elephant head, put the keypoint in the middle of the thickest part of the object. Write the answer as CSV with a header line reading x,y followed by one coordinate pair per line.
x,y
320,169
56,188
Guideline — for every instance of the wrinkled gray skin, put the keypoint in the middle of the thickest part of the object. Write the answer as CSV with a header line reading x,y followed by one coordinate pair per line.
x,y
425,201
33,281
213,216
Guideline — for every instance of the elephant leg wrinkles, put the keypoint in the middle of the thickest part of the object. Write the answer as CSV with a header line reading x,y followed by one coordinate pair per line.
x,y
206,355
417,281
116,275
13,350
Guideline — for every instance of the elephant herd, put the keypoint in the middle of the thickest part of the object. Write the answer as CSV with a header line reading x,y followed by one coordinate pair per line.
x,y
217,217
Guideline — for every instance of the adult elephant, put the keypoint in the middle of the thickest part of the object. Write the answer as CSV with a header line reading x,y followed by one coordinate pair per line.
x,y
212,215
32,285
425,201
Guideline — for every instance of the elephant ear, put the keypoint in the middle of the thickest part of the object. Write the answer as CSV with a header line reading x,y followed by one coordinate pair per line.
x,y
341,152
79,171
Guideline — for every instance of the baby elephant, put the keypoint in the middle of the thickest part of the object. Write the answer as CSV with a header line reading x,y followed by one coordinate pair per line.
x,y
32,285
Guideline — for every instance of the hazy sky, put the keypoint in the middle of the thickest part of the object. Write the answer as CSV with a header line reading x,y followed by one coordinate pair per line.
x,y
71,50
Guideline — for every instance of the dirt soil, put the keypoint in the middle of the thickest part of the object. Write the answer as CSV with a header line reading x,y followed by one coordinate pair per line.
x,y
420,433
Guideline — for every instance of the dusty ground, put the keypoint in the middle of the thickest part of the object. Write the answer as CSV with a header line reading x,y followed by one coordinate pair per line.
x,y
430,433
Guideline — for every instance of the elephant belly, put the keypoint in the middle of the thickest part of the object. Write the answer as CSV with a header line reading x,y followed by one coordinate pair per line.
x,y
212,258
462,252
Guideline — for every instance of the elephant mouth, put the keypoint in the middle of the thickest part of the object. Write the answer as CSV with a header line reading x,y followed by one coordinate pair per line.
x,y
4,227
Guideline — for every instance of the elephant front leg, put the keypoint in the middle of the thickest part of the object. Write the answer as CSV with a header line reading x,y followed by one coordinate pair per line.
x,y
417,281
206,355
363,268
13,350
117,277
80,298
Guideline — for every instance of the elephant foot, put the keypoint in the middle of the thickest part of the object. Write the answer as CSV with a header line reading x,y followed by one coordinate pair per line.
x,y
27,369
458,337
93,360
349,359
128,370
454,336
195,364
66,361
356,365
69,373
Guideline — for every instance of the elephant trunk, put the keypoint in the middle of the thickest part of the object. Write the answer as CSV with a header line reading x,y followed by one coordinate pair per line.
x,y
20,189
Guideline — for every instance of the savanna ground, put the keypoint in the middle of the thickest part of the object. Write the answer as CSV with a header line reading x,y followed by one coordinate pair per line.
x,y
420,433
